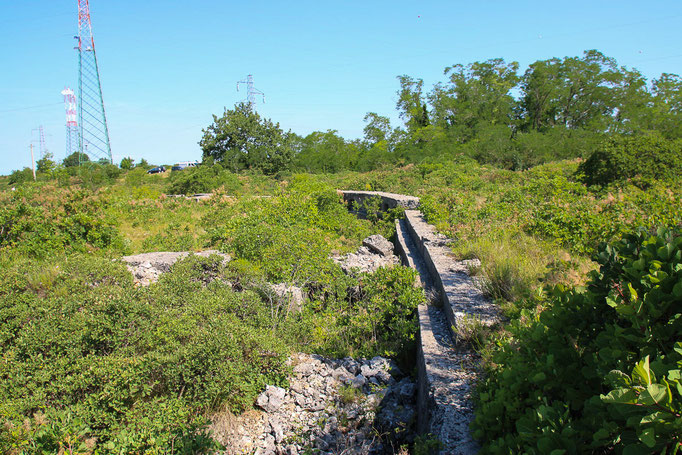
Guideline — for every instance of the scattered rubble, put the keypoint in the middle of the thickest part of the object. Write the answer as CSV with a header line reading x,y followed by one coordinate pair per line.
x,y
148,267
376,252
195,197
331,406
378,244
292,296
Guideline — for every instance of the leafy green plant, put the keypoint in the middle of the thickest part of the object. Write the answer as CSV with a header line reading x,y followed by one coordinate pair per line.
x,y
651,408
644,157
550,384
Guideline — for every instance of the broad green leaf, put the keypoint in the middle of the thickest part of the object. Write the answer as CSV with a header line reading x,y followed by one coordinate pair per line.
x,y
545,444
636,449
617,378
625,310
641,373
654,394
648,437
624,396
633,293
601,433
677,289
611,302
539,377
650,418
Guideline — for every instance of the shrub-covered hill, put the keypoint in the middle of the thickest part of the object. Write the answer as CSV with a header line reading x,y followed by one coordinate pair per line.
x,y
92,361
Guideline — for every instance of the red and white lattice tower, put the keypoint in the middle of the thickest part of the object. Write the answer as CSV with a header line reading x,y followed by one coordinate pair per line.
x,y
93,132
71,122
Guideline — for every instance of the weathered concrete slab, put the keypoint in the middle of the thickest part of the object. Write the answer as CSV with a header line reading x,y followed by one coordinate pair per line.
x,y
445,375
459,295
388,200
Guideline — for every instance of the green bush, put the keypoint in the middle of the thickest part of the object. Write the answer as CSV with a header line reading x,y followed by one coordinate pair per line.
x,y
24,175
38,226
379,320
642,157
134,370
203,179
560,382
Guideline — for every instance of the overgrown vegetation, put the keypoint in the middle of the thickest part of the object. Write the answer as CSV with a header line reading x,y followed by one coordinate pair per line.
x,y
621,333
91,363
535,186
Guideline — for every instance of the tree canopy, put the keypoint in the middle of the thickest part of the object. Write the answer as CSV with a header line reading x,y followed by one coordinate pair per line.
x,y
72,160
241,139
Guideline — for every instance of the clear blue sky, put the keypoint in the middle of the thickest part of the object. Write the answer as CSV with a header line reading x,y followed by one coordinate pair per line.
x,y
166,66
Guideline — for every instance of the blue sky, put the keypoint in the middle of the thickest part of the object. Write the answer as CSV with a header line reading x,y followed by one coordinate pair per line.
x,y
167,66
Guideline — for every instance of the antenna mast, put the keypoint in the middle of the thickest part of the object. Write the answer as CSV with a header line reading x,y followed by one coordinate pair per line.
x,y
71,122
93,132
251,91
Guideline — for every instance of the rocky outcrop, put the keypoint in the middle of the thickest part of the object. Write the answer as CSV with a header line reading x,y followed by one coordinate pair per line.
x,y
292,296
379,244
331,406
148,267
376,252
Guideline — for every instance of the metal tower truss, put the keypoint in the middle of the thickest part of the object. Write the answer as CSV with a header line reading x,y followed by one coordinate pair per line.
x,y
71,122
251,91
93,132
43,145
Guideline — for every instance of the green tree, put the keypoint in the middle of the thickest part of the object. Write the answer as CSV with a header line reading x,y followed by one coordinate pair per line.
x,y
477,96
46,164
72,160
241,139
573,92
378,128
20,176
326,152
666,112
634,108
127,163
411,104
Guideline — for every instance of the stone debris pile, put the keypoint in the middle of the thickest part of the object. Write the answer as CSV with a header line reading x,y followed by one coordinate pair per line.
x,y
331,406
376,251
148,267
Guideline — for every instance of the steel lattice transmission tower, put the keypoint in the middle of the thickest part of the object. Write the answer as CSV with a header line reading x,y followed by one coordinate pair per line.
x,y
71,122
251,91
43,145
93,132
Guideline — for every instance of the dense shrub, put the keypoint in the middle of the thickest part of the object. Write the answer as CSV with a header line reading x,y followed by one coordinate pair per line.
x,y
24,175
89,356
644,157
203,179
599,369
379,320
38,225
291,235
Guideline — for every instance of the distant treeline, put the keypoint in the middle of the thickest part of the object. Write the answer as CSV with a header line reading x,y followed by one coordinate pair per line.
x,y
557,109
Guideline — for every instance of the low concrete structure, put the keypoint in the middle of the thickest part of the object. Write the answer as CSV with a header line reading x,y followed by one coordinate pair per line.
x,y
459,296
388,200
447,371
